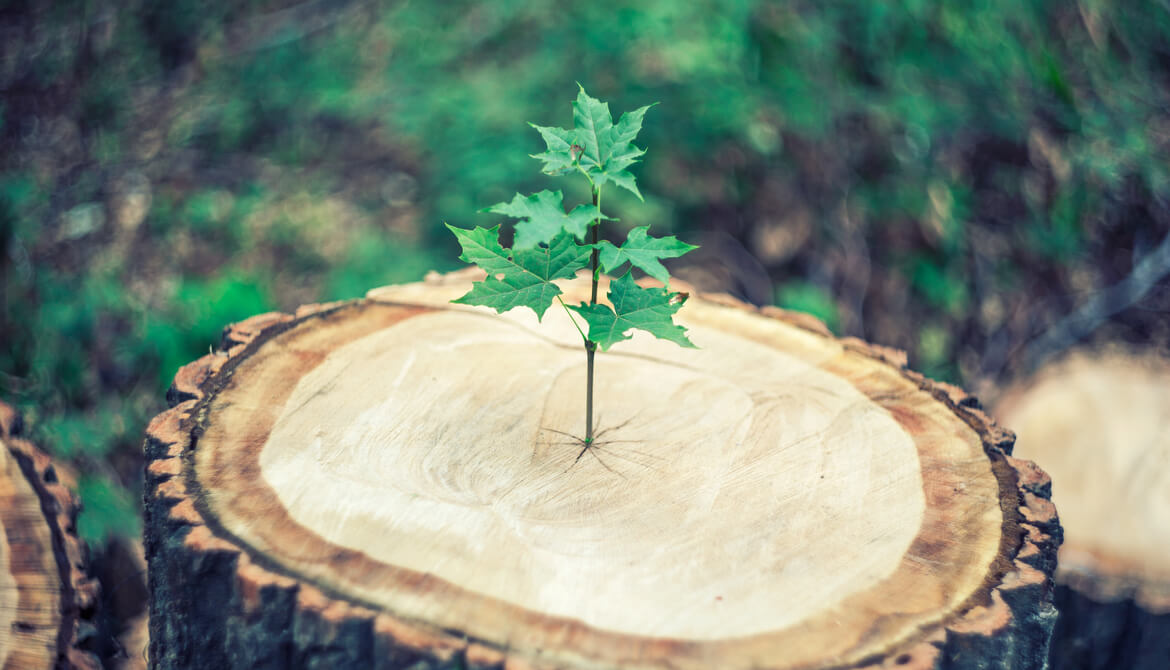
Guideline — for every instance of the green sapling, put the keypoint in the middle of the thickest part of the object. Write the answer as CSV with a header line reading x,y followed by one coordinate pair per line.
x,y
550,244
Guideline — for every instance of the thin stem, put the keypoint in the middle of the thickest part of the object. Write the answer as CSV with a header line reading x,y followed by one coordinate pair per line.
x,y
585,172
596,251
590,346
570,313
590,351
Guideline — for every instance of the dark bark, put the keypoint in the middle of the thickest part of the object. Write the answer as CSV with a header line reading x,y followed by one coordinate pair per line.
x,y
1092,635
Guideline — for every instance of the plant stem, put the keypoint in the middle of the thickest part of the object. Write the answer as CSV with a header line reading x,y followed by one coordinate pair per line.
x,y
570,314
590,346
590,350
596,251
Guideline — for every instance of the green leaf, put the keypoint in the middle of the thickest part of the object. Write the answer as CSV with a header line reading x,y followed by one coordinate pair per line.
x,y
559,158
594,125
521,277
643,252
626,181
608,149
604,150
544,218
648,309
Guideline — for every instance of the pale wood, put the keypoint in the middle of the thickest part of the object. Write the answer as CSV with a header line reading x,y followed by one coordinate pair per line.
x,y
43,590
1100,424
15,498
1099,421
134,643
777,498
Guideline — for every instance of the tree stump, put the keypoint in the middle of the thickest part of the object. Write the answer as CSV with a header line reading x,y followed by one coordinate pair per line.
x,y
44,592
1101,425
394,482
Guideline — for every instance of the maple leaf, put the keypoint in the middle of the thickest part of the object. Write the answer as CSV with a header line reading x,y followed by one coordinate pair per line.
x,y
544,218
648,309
643,252
560,158
595,145
518,277
607,149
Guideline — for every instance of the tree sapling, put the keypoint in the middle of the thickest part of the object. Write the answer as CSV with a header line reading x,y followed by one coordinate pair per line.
x,y
550,244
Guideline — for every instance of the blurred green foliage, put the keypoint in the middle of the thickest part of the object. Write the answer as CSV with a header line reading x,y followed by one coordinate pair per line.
x,y
803,296
915,172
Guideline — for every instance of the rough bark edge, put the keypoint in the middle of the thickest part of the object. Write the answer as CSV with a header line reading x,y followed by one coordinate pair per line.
x,y
60,508
302,626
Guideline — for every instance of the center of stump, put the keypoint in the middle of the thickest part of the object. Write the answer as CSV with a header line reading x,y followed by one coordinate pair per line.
x,y
730,492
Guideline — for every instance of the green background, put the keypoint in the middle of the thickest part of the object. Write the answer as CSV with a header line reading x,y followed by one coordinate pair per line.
x,y
951,178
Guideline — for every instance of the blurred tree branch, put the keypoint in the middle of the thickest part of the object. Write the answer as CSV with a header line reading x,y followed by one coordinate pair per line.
x,y
1147,272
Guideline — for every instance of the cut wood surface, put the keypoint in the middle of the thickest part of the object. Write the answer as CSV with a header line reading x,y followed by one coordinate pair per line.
x,y
1100,423
397,481
43,590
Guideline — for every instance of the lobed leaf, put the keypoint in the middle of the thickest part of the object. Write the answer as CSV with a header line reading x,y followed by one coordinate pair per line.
x,y
593,124
608,149
559,158
648,309
543,217
523,278
643,252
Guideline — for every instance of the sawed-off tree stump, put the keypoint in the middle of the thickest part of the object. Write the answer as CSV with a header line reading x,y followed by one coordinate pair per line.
x,y
44,592
1101,422
393,483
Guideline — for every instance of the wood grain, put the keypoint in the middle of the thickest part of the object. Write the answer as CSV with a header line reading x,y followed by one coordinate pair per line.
x,y
1100,422
44,592
1101,426
778,498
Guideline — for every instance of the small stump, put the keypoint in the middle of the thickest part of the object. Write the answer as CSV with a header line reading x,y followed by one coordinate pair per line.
x,y
395,482
1101,425
44,592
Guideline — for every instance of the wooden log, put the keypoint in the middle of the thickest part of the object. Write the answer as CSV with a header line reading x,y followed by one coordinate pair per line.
x,y
44,592
394,483
123,626
1100,423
